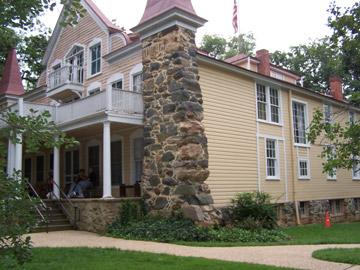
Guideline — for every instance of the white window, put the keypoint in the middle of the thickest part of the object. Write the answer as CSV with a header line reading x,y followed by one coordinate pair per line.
x,y
93,88
93,92
304,169
356,169
299,122
137,82
276,75
117,84
72,165
268,104
75,62
272,162
138,158
331,175
327,114
95,54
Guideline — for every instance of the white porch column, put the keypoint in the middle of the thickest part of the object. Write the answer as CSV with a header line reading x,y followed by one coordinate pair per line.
x,y
109,97
10,158
56,171
107,161
18,146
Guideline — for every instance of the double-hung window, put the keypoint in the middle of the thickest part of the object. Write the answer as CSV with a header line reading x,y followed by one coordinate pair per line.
x,y
304,168
95,53
137,82
299,122
356,168
327,115
272,161
331,175
268,104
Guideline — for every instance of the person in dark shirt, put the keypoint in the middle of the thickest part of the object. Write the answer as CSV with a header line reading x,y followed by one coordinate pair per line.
x,y
79,179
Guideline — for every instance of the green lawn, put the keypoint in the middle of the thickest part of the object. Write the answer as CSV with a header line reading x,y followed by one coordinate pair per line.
x,y
112,259
341,233
341,255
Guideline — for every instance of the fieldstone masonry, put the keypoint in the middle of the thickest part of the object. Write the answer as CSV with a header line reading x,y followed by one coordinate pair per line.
x,y
175,146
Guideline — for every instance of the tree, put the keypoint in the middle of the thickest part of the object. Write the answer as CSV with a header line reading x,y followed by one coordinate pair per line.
x,y
20,28
346,28
317,62
15,206
223,49
340,143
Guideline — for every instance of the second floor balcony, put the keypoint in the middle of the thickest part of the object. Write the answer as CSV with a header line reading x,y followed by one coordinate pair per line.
x,y
65,80
114,105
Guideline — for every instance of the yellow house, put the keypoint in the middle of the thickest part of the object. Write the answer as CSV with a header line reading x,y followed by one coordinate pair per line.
x,y
96,85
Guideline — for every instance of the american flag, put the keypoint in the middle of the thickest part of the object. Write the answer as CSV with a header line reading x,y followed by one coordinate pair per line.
x,y
235,20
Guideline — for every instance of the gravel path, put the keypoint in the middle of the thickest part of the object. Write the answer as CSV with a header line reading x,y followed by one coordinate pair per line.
x,y
285,256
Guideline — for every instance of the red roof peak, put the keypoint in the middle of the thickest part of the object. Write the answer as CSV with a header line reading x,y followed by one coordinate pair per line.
x,y
157,7
11,81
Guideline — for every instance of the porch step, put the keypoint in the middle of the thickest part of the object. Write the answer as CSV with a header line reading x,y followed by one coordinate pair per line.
x,y
58,219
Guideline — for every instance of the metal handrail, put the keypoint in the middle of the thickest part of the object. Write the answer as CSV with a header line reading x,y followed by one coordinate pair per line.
x,y
48,209
76,217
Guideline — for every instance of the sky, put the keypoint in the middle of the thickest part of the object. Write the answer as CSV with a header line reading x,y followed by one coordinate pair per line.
x,y
276,24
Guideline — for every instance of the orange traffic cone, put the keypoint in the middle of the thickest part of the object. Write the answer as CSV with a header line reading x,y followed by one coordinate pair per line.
x,y
327,220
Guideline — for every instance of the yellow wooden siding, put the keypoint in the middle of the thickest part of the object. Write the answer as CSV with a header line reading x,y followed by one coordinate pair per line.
x,y
42,100
270,129
116,43
42,79
230,126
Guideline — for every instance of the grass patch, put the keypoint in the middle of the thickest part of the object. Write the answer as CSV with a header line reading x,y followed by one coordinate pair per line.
x,y
110,259
340,233
340,255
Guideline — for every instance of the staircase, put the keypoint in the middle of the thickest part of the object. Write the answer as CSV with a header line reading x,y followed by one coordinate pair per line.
x,y
58,220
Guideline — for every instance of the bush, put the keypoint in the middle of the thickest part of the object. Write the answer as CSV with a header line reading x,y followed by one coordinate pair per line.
x,y
253,211
175,228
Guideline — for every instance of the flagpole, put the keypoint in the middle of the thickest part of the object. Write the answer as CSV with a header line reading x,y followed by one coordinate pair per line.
x,y
238,18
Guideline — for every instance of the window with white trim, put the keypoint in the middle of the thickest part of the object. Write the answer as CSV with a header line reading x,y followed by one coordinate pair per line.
x,y
72,165
327,114
304,168
336,207
95,54
137,82
75,62
331,175
116,163
268,103
93,92
276,75
138,146
299,122
272,162
357,204
117,84
356,169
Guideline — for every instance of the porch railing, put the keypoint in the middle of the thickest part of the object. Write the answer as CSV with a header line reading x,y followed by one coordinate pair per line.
x,y
64,75
74,218
126,101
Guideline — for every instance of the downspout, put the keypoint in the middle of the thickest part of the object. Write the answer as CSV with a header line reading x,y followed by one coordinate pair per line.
x,y
293,159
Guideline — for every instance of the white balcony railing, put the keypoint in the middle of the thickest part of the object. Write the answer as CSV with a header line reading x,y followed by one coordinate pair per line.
x,y
66,75
117,101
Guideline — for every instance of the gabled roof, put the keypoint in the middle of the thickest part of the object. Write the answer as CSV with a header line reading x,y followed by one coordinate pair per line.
x,y
11,81
106,24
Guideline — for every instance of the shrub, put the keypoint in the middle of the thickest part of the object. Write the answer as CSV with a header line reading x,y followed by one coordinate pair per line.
x,y
175,228
253,211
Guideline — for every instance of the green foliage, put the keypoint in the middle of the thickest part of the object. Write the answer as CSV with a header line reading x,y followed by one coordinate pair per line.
x,y
254,211
344,140
223,49
175,228
316,61
16,209
346,27
340,255
131,212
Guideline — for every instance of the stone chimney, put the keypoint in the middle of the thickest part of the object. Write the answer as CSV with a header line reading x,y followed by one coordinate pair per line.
x,y
264,58
11,81
175,163
336,89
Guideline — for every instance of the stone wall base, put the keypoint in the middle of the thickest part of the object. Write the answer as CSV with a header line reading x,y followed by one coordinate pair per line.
x,y
97,214
313,212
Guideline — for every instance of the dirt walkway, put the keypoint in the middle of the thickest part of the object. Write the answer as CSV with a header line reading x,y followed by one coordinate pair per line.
x,y
285,256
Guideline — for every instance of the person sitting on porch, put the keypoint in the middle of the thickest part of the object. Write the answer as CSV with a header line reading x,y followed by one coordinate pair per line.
x,y
81,181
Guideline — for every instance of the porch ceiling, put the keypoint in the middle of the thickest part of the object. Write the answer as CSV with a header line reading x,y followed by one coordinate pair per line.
x,y
97,129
